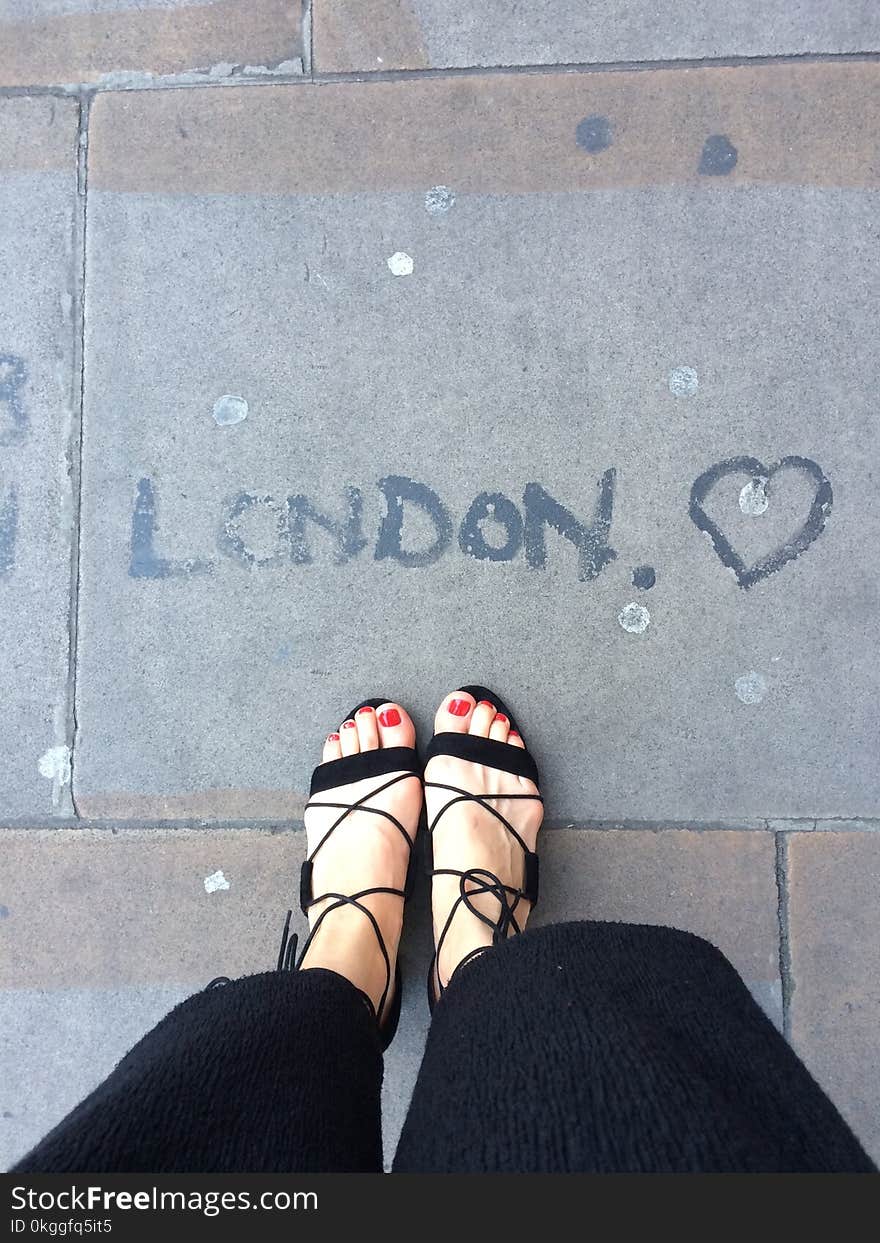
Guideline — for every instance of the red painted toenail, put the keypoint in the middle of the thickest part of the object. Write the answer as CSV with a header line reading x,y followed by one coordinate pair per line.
x,y
389,717
348,724
502,718
460,707
367,709
514,733
333,738
484,703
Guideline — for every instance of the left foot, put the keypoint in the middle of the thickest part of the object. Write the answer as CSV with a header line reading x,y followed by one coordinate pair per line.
x,y
468,836
364,851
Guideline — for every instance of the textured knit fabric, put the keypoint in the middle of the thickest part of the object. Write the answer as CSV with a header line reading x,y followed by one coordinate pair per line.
x,y
613,1047
605,1047
272,1073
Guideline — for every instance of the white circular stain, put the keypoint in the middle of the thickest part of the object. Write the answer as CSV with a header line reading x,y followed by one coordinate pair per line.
x,y
229,410
683,381
215,881
634,618
438,200
753,498
400,264
751,688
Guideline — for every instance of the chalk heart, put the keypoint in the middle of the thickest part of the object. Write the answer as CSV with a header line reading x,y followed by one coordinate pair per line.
x,y
814,523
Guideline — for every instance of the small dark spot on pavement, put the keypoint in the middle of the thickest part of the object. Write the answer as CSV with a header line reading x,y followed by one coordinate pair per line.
x,y
644,577
594,134
4,912
719,156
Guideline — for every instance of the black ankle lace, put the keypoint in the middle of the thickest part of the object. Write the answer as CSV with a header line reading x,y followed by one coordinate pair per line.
x,y
287,952
287,960
476,882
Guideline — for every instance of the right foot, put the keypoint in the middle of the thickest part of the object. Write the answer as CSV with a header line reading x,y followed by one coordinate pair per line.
x,y
468,836
362,852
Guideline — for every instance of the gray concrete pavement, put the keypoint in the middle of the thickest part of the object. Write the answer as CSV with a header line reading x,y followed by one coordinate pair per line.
x,y
150,933
567,387
66,43
414,34
39,389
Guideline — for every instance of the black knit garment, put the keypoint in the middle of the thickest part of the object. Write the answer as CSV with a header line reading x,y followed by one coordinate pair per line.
x,y
575,1047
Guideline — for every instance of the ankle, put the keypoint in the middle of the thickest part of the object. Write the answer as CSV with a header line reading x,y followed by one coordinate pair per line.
x,y
348,947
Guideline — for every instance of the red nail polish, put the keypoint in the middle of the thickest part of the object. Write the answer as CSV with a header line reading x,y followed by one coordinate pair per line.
x,y
389,717
499,716
460,707
333,738
485,704
348,724
367,709
514,733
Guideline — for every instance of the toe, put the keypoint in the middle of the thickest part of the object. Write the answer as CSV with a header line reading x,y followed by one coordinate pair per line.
x,y
483,716
349,738
395,726
332,749
367,729
515,741
454,714
499,728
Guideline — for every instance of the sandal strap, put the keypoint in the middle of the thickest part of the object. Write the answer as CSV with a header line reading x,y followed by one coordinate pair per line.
x,y
346,809
486,751
468,796
350,768
401,761
481,880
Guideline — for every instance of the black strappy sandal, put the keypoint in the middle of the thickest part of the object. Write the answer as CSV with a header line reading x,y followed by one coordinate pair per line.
x,y
350,768
477,881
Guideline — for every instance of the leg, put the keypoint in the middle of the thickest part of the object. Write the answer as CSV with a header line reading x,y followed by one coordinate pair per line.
x,y
614,1048
594,1047
274,1073
281,1072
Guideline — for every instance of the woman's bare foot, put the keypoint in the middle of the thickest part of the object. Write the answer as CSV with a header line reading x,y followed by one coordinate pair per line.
x,y
467,836
364,851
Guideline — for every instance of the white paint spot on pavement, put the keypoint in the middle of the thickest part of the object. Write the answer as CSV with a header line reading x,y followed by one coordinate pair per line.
x,y
54,765
400,264
229,410
753,498
751,688
215,881
438,200
634,618
683,381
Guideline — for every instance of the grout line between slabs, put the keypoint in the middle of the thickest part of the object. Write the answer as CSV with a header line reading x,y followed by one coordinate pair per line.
x,y
785,969
588,67
308,41
76,438
123,824
309,76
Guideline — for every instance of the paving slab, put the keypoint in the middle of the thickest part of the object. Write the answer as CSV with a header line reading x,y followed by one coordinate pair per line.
x,y
38,145
159,912
414,34
635,347
834,897
73,42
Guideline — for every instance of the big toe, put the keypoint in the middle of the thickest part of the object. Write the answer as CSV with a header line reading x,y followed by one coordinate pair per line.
x,y
454,714
396,728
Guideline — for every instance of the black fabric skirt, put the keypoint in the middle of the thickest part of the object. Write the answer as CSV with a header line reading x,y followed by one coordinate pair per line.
x,y
575,1047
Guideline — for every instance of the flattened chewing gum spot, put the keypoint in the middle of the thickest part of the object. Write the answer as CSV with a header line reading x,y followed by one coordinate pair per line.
x,y
400,264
